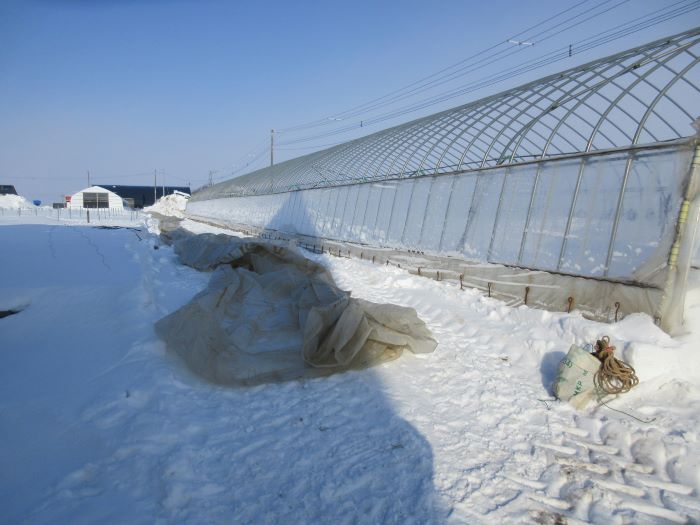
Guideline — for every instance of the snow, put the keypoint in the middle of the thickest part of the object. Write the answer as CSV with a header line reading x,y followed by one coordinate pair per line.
x,y
99,424
14,202
172,205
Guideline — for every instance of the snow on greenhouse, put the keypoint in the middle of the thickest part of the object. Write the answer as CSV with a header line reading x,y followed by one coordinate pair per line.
x,y
578,190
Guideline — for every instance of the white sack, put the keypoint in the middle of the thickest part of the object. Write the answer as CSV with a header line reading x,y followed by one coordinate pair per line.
x,y
575,377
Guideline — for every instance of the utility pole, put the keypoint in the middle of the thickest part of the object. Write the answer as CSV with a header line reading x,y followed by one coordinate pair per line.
x,y
155,186
89,179
211,178
163,181
272,147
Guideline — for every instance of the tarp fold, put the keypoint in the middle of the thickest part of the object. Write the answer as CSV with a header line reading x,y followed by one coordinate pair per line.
x,y
269,314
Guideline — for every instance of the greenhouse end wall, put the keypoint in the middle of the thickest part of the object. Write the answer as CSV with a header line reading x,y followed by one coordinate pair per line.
x,y
607,216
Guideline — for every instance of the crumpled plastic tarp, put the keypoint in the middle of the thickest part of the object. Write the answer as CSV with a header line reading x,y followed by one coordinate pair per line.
x,y
270,314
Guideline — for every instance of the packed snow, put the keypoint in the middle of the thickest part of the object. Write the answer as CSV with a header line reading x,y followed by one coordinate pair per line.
x,y
100,424
14,202
172,205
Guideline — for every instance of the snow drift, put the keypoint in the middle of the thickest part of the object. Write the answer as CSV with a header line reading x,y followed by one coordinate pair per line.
x,y
14,202
171,205
269,314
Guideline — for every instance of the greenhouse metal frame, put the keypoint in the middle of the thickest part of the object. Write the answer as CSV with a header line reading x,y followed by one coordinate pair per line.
x,y
590,173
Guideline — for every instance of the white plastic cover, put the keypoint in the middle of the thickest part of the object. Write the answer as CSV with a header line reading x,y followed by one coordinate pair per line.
x,y
605,216
269,314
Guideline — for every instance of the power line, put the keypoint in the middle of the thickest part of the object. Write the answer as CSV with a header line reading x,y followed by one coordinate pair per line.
x,y
247,159
601,38
282,148
467,66
478,84
92,177
345,113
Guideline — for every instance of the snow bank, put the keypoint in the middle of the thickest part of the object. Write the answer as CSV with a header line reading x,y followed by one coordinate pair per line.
x,y
172,205
14,202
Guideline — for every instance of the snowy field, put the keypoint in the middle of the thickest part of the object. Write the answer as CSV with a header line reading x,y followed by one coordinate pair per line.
x,y
98,424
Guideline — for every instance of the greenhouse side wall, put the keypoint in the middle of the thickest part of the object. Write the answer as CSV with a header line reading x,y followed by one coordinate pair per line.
x,y
610,217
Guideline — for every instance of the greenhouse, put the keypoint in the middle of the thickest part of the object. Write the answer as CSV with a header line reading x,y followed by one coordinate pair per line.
x,y
578,189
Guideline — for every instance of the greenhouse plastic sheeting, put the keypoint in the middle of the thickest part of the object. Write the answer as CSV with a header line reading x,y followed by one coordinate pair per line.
x,y
610,216
609,232
269,314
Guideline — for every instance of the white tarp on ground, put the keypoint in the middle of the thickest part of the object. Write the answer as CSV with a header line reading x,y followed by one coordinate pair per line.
x,y
269,314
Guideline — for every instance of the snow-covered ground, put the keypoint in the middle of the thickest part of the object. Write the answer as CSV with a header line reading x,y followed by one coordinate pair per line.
x,y
66,216
98,424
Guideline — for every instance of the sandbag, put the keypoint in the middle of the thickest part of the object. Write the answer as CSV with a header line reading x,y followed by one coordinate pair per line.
x,y
575,377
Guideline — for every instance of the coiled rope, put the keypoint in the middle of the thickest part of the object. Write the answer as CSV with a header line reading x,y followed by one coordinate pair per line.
x,y
614,375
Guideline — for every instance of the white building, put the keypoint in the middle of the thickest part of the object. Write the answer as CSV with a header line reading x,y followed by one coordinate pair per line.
x,y
96,197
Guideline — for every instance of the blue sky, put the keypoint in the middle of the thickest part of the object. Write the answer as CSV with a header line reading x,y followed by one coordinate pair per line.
x,y
123,88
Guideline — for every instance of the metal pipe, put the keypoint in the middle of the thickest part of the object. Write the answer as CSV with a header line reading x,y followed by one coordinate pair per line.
x,y
569,219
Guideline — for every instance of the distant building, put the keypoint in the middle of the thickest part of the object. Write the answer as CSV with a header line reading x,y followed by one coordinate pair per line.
x,y
142,196
95,197
7,189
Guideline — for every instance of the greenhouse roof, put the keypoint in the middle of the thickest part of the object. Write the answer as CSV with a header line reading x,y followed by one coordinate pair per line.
x,y
643,95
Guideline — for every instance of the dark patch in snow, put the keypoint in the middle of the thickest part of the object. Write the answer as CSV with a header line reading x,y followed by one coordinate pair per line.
x,y
8,313
548,518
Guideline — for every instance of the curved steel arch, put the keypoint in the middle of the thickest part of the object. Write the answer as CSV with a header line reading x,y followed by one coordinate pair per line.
x,y
536,120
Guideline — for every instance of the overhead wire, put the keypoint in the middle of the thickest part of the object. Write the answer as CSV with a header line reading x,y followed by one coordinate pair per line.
x,y
493,58
246,160
583,45
480,64
547,59
497,77
467,66
93,176
327,120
